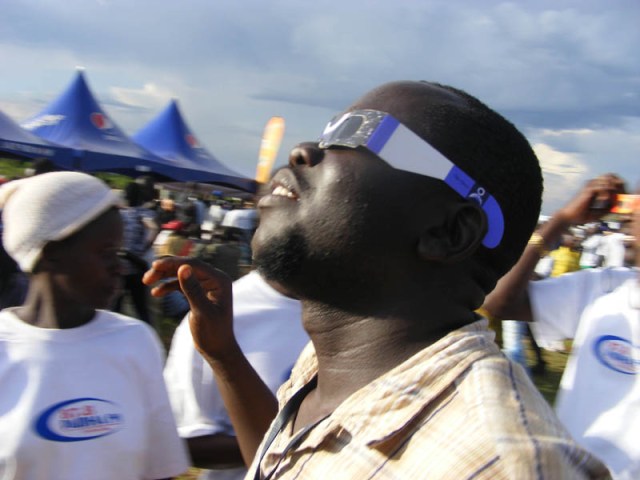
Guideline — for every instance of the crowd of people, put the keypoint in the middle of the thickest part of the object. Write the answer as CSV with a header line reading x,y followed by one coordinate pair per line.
x,y
591,245
597,309
604,243
183,224
343,335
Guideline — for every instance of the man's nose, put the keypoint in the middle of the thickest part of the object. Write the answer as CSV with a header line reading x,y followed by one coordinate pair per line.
x,y
307,153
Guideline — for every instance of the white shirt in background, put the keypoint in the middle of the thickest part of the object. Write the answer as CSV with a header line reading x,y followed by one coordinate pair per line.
x,y
269,331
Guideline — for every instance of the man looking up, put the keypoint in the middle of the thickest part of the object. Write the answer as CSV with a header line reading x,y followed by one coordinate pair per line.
x,y
401,378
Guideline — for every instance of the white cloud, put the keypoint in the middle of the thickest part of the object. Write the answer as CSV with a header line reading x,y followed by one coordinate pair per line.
x,y
558,163
149,96
563,175
569,157
566,73
566,132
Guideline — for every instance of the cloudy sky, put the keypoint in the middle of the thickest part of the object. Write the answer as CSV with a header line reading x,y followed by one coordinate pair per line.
x,y
567,73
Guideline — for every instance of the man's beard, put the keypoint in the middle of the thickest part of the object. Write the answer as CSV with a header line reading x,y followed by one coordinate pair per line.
x,y
287,259
281,260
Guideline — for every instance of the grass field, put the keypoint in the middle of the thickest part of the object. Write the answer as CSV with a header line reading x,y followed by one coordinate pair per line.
x,y
549,381
12,168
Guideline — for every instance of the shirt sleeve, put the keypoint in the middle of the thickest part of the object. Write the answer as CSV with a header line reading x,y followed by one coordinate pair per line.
x,y
167,452
195,399
557,305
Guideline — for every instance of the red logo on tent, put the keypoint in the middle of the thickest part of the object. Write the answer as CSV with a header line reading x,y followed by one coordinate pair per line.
x,y
192,141
100,120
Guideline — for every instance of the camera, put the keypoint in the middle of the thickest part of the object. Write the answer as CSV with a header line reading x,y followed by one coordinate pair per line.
x,y
625,203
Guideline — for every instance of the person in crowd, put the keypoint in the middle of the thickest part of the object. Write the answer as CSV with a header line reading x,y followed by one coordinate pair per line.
x,y
269,332
188,213
599,309
191,205
612,246
140,231
13,281
215,214
225,252
83,394
167,211
245,220
180,234
566,258
180,242
402,379
149,194
245,217
43,165
590,245
151,208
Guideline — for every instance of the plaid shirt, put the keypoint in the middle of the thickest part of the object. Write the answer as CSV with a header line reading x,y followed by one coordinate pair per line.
x,y
456,410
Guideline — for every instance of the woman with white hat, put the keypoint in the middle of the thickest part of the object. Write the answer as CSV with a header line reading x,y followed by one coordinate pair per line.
x,y
82,388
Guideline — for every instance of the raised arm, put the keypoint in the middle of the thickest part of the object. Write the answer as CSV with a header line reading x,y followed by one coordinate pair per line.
x,y
509,300
249,402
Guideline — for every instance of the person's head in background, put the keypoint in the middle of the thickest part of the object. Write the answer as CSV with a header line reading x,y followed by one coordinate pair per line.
x,y
133,194
570,241
231,234
39,166
64,229
147,189
359,226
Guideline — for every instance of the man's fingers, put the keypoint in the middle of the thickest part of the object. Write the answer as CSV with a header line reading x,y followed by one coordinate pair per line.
x,y
161,269
165,287
201,284
197,295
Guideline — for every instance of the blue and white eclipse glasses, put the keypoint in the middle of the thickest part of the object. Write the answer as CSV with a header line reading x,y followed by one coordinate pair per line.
x,y
401,148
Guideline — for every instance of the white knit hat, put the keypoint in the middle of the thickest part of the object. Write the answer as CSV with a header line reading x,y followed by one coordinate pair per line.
x,y
49,207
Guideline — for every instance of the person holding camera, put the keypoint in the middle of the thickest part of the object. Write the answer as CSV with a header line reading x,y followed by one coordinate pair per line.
x,y
599,308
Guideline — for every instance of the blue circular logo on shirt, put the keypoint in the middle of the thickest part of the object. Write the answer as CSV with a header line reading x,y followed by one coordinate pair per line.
x,y
618,354
79,419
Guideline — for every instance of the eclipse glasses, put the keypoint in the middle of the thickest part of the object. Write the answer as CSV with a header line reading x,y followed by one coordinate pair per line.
x,y
385,136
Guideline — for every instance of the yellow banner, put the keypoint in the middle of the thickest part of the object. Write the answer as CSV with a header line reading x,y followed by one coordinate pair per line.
x,y
271,139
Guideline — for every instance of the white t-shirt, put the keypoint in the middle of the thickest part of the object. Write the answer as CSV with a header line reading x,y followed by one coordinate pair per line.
x,y
214,216
599,396
590,257
85,403
243,218
269,331
612,249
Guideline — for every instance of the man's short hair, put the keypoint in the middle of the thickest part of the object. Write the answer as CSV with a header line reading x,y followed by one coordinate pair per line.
x,y
492,151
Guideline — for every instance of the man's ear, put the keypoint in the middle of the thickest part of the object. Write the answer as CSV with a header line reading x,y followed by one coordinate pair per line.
x,y
463,227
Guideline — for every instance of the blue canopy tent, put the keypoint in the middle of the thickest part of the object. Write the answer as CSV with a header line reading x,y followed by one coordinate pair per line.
x,y
168,136
18,142
76,120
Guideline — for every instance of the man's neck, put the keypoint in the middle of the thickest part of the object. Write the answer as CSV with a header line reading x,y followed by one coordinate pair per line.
x,y
353,351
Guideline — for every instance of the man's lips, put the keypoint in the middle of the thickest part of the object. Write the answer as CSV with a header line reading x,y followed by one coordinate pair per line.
x,y
282,188
283,191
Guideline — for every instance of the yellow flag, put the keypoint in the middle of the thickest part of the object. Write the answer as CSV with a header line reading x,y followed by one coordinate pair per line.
x,y
271,138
